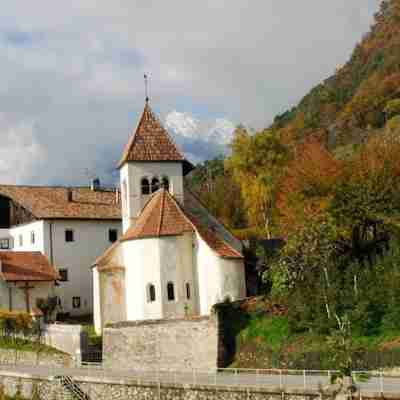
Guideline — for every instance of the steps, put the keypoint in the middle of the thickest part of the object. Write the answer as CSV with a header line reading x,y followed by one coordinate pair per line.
x,y
72,388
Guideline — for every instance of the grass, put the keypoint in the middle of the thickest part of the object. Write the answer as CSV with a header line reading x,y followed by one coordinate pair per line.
x,y
94,339
26,345
263,340
271,332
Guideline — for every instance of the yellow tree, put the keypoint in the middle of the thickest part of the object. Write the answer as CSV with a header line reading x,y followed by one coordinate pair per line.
x,y
257,163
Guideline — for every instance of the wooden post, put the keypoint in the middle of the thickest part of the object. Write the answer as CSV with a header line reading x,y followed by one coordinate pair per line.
x,y
26,289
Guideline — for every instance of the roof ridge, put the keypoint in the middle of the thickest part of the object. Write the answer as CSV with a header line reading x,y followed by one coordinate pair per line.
x,y
161,212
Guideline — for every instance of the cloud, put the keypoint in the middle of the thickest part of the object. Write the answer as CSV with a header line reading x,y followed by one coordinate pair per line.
x,y
200,139
19,153
76,69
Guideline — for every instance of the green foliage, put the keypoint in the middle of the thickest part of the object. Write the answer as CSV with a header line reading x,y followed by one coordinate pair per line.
x,y
47,306
270,332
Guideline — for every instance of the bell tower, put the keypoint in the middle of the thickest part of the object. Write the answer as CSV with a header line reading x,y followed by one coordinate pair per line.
x,y
151,160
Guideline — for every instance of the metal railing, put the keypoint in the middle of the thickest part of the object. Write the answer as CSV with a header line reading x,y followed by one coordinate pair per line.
x,y
270,379
274,380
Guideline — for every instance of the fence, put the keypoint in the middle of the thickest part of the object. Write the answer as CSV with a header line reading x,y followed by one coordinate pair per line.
x,y
371,360
270,379
273,380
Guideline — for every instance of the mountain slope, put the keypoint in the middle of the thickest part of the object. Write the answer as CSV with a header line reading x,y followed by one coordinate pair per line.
x,y
348,106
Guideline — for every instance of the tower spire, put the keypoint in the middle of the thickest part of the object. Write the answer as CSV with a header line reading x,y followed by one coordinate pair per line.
x,y
146,87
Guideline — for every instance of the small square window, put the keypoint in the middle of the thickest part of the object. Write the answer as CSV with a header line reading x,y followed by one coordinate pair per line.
x,y
112,235
76,302
4,244
63,274
33,238
69,235
21,240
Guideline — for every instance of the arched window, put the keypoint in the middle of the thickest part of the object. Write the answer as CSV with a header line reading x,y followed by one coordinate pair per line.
x,y
145,185
171,291
151,293
188,291
165,183
155,185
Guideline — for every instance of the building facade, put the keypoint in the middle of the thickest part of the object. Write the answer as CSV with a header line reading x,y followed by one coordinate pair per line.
x,y
70,226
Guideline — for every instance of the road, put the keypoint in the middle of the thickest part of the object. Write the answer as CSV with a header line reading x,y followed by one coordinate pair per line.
x,y
272,381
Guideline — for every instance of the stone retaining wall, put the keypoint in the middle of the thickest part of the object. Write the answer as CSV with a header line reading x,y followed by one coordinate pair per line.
x,y
105,389
176,344
16,357
70,339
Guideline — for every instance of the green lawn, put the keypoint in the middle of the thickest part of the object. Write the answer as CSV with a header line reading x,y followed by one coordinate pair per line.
x,y
265,341
26,345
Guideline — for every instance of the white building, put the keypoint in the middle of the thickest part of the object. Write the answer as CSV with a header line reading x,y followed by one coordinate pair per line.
x,y
70,226
174,259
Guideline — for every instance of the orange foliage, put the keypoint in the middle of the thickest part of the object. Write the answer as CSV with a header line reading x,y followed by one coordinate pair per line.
x,y
305,190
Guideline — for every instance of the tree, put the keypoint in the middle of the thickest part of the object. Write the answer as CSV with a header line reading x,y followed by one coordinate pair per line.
x,y
307,187
256,164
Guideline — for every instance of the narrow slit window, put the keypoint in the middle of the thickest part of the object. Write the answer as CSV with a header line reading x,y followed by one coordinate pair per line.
x,y
112,235
155,185
188,291
165,183
151,293
145,184
171,291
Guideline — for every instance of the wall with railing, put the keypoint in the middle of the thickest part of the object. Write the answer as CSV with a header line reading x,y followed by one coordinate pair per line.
x,y
224,384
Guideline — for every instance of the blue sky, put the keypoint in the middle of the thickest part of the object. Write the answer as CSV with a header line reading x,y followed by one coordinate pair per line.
x,y
72,74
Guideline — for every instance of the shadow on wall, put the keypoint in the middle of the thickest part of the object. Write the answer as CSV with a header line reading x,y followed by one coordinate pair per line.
x,y
231,322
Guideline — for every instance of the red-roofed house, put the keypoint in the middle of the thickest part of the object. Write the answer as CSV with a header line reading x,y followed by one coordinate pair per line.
x,y
24,278
71,226
174,259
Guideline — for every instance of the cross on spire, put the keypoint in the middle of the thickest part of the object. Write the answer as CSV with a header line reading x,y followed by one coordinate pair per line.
x,y
146,87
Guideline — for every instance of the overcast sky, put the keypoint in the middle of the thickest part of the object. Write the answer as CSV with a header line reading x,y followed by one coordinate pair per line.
x,y
72,74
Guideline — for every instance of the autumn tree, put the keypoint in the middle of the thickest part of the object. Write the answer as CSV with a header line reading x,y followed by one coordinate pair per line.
x,y
256,164
306,189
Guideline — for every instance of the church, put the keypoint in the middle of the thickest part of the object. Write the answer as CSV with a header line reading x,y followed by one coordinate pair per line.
x,y
174,259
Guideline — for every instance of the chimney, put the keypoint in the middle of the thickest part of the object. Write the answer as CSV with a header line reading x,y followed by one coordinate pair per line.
x,y
69,195
95,184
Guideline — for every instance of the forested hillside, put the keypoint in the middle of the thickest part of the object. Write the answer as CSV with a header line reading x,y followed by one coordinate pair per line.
x,y
357,99
325,177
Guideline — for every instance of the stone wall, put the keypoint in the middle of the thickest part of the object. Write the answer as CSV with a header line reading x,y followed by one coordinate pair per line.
x,y
31,358
67,338
176,344
117,389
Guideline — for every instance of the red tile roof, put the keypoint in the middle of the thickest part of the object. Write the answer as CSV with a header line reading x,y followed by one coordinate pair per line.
x,y
46,202
151,142
163,216
28,266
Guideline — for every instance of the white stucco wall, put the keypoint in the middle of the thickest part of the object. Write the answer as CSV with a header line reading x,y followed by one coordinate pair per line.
x,y
208,276
218,278
232,279
97,304
25,231
176,261
158,261
133,172
142,267
90,241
